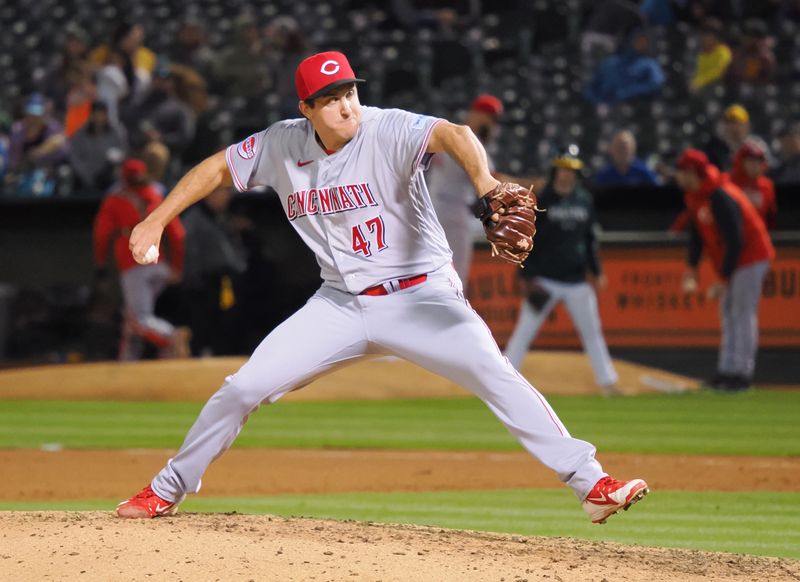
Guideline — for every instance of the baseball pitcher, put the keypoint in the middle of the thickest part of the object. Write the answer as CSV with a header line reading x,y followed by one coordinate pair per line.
x,y
350,179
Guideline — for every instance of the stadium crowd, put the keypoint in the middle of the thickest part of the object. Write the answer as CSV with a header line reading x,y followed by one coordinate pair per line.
x,y
101,98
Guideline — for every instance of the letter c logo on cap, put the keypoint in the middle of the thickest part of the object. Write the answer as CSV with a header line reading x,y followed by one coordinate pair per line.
x,y
329,68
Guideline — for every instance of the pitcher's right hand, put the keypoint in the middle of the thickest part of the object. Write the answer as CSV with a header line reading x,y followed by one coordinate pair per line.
x,y
146,234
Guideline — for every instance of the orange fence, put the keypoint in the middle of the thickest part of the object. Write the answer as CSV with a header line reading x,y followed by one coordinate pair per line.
x,y
643,305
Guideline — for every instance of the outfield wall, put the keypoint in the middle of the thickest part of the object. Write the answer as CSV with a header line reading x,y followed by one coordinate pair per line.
x,y
643,305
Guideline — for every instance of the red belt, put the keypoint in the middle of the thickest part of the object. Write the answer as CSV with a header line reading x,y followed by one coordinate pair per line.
x,y
401,283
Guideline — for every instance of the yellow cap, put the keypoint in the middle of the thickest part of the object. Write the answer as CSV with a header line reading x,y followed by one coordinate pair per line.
x,y
568,162
737,113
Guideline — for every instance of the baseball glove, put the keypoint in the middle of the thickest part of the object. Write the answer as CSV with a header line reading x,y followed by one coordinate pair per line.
x,y
508,214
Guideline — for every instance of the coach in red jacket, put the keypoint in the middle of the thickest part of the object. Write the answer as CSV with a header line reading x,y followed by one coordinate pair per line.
x,y
123,208
748,172
726,224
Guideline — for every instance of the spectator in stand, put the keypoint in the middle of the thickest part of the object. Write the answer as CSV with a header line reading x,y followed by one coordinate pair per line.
x,y
624,168
749,169
81,95
192,90
215,258
288,46
243,69
753,59
70,62
628,74
125,68
162,116
788,169
128,39
445,18
36,147
191,48
732,131
608,24
714,56
725,224
122,209
114,87
96,150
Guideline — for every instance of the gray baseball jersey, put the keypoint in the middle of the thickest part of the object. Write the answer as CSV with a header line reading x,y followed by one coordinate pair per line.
x,y
365,210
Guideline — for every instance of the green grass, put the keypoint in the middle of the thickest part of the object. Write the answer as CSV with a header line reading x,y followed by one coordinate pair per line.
x,y
756,423
753,523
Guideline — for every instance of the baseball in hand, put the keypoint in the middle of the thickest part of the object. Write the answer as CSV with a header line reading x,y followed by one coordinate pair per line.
x,y
151,256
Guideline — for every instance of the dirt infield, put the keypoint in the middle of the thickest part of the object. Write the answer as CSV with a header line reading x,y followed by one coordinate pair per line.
x,y
96,546
41,476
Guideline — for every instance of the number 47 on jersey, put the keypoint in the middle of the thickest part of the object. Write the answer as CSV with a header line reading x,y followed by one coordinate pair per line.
x,y
364,235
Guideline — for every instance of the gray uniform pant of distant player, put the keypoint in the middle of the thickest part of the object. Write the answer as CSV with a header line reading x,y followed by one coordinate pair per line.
x,y
141,286
581,302
429,324
739,318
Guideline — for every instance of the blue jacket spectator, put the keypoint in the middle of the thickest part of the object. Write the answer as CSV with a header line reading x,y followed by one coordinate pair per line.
x,y
625,75
37,146
37,140
624,169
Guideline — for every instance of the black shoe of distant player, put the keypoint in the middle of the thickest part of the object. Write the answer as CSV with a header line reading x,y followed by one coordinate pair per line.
x,y
738,384
719,382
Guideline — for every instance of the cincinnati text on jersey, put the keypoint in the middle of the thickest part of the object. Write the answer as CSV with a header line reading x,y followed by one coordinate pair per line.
x,y
329,200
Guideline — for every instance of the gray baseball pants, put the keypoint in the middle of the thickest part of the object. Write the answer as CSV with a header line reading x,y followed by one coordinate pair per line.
x,y
739,320
141,286
431,325
581,303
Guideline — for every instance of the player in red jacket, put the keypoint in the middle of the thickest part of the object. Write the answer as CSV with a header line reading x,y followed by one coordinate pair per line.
x,y
748,172
724,223
123,208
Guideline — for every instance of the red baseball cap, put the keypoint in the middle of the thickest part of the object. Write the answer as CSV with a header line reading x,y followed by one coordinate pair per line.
x,y
753,150
322,72
488,104
695,160
133,168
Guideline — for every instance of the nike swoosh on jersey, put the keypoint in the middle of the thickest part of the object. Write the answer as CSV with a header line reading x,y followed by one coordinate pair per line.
x,y
300,164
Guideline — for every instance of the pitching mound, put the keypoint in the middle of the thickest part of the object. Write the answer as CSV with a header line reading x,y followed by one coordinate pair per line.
x,y
97,546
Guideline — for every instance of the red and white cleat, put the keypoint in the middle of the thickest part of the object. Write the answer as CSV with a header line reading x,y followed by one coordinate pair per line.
x,y
608,496
147,504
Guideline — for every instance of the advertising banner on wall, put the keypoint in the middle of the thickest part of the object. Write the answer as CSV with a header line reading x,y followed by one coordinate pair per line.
x,y
643,304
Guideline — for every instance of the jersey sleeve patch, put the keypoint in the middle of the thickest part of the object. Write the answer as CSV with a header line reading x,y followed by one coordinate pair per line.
x,y
420,122
247,148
